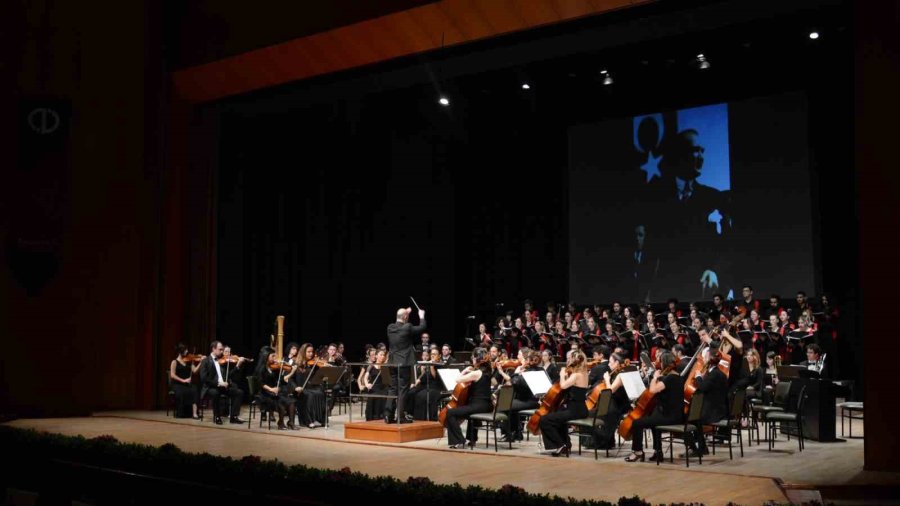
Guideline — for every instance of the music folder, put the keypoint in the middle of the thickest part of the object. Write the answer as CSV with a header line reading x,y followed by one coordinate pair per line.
x,y
634,385
538,382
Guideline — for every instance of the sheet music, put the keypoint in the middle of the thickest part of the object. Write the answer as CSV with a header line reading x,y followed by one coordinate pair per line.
x,y
537,381
448,376
634,385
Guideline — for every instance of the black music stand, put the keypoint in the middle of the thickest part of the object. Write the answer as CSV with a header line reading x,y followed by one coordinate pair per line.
x,y
326,376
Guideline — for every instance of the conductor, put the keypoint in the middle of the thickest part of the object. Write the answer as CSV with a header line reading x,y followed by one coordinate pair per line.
x,y
400,341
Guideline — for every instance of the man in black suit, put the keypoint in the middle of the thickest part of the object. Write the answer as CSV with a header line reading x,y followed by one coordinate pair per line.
x,y
815,361
684,227
214,384
403,353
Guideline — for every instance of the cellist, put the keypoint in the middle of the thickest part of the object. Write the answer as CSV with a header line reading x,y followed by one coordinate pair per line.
x,y
604,436
713,384
669,391
478,375
574,379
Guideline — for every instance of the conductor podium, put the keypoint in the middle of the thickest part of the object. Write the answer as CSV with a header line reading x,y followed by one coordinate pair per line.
x,y
377,430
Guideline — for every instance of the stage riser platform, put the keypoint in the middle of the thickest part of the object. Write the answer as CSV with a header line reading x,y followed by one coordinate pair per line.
x,y
378,431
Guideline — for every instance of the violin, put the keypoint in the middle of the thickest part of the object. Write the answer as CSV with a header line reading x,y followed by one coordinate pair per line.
x,y
318,362
232,359
193,357
279,365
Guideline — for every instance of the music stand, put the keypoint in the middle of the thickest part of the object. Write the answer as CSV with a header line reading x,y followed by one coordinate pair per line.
x,y
327,376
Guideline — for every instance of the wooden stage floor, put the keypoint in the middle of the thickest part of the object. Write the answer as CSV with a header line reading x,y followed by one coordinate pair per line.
x,y
758,477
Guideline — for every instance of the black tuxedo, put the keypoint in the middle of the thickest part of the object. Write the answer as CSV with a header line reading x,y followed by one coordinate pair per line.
x,y
209,379
403,353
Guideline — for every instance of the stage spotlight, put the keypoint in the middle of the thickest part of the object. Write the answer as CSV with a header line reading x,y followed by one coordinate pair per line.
x,y
607,77
813,35
444,101
702,62
526,86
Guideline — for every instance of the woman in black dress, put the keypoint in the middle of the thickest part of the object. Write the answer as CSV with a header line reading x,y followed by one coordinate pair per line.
x,y
426,400
180,371
478,375
374,385
574,379
523,398
548,362
669,391
273,395
311,398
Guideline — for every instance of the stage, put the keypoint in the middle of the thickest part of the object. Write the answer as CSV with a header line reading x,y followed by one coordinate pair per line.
x,y
780,475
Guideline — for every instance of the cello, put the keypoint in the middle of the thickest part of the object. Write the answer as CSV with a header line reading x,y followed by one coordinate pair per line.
x,y
696,369
594,395
459,397
549,403
642,407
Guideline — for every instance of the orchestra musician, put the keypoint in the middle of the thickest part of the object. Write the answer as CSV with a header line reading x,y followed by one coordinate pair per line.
x,y
604,436
447,355
275,389
375,385
213,384
310,398
478,377
815,361
180,371
669,390
548,363
713,384
361,377
574,379
523,398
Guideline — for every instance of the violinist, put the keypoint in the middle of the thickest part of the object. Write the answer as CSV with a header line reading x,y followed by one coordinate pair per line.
x,y
681,360
713,384
478,376
548,363
669,390
574,379
310,398
739,372
604,436
361,378
418,384
234,369
523,398
180,371
447,355
274,395
600,355
757,376
212,377
424,402
374,384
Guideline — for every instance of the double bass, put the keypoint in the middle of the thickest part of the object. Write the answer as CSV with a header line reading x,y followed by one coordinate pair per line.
x,y
459,397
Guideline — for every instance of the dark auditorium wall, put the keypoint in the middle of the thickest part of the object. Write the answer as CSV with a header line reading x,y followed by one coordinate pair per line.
x,y
876,80
78,220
